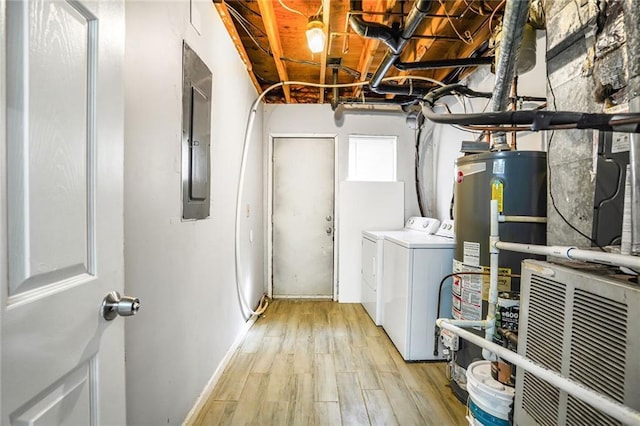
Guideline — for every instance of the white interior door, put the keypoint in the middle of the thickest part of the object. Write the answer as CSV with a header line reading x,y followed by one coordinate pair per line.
x,y
62,208
303,204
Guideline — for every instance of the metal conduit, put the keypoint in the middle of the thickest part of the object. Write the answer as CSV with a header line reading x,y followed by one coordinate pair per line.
x,y
374,30
367,29
336,93
446,63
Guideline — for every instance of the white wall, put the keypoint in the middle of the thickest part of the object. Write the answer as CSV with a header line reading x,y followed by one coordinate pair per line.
x,y
311,119
183,272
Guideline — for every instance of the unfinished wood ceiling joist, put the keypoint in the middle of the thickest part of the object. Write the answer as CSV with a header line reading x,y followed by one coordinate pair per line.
x,y
270,38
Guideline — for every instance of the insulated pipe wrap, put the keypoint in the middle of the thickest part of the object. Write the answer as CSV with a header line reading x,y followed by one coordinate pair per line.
x,y
515,17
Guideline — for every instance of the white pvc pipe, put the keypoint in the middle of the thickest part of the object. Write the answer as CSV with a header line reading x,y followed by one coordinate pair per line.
x,y
493,280
523,219
597,400
615,259
467,323
574,253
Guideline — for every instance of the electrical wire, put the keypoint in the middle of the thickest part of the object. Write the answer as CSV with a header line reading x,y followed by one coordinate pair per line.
x,y
551,196
240,16
241,20
319,10
245,307
444,279
475,10
245,7
467,38
455,126
493,14
417,170
292,10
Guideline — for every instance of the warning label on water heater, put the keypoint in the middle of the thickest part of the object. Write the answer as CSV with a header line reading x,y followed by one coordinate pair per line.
x,y
471,253
467,289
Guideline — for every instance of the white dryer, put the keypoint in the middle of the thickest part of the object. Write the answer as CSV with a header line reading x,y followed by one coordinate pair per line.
x,y
414,265
372,262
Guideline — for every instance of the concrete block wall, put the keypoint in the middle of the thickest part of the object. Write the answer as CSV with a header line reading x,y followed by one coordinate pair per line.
x,y
587,72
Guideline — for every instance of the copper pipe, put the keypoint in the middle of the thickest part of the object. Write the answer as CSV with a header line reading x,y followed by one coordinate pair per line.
x,y
514,106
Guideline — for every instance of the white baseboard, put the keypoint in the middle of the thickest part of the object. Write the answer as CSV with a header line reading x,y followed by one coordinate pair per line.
x,y
211,384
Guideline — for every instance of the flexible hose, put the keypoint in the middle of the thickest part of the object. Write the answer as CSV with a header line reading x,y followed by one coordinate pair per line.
x,y
247,311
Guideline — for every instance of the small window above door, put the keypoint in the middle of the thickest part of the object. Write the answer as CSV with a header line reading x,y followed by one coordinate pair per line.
x,y
372,158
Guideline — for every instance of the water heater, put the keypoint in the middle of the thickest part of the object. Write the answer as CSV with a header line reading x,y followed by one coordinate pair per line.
x,y
518,180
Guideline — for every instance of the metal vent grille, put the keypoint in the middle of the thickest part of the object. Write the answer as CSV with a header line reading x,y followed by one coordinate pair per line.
x,y
545,328
540,400
594,319
580,413
586,317
546,322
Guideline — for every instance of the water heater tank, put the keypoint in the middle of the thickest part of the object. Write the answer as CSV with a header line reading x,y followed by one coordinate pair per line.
x,y
518,180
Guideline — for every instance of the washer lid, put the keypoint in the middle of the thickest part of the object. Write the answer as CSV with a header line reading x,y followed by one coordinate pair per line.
x,y
374,235
418,240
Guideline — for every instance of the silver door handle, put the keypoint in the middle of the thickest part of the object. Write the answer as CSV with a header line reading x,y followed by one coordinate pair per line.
x,y
329,230
113,305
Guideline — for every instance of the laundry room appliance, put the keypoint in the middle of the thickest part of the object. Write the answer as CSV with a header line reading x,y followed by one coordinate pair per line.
x,y
414,264
580,321
518,180
372,262
363,206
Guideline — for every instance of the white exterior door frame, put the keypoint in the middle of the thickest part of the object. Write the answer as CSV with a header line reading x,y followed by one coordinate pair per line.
x,y
269,215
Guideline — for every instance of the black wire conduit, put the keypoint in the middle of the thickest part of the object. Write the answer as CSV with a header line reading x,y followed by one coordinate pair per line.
x,y
445,63
538,120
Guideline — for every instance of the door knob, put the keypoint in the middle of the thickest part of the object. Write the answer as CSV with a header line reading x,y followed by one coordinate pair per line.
x,y
114,305
329,230
328,218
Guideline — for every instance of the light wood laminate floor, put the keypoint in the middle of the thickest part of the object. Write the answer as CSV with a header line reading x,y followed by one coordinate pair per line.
x,y
326,363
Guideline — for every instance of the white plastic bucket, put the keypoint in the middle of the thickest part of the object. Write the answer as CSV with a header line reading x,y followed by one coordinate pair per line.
x,y
490,400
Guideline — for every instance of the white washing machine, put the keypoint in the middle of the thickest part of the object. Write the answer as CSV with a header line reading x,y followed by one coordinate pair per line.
x,y
372,262
414,265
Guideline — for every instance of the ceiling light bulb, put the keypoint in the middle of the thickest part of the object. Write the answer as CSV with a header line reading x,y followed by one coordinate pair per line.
x,y
315,36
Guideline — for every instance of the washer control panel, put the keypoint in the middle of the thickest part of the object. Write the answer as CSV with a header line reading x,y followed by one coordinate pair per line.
x,y
446,229
423,224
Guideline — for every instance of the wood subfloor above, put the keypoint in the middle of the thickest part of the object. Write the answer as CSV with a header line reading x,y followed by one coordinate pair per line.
x,y
326,363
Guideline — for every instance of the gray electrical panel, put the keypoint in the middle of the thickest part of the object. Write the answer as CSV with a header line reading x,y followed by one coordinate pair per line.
x,y
196,136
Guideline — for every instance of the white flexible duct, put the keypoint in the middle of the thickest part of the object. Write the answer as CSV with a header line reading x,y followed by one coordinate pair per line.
x,y
599,401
